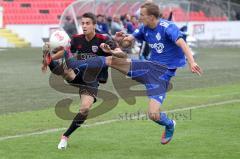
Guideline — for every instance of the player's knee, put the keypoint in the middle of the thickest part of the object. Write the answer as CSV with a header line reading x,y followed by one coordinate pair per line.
x,y
69,75
116,60
112,61
154,116
123,62
109,60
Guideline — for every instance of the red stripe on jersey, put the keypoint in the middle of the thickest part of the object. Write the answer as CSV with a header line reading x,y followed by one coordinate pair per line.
x,y
102,37
77,35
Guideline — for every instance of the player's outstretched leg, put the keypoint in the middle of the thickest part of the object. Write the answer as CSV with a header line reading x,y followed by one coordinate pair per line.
x,y
161,119
120,64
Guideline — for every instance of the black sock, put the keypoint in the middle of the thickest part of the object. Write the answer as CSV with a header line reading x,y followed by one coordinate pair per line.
x,y
77,121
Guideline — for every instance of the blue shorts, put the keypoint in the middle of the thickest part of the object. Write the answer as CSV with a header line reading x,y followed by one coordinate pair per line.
x,y
154,76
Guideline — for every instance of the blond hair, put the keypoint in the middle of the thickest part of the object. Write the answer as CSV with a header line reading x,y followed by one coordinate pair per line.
x,y
152,9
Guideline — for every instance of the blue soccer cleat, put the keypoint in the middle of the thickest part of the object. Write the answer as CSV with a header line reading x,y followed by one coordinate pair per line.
x,y
168,134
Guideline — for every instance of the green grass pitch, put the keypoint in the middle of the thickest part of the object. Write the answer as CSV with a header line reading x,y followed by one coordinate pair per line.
x,y
207,114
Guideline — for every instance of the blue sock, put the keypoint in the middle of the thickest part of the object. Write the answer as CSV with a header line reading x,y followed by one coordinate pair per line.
x,y
164,120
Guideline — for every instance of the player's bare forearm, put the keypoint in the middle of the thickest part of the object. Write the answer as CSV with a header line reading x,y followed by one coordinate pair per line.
x,y
58,55
116,52
186,50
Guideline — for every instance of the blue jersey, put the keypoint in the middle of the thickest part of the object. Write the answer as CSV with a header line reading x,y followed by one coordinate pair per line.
x,y
162,41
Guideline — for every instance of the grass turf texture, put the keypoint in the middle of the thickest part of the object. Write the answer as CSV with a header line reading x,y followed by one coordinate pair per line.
x,y
214,136
27,105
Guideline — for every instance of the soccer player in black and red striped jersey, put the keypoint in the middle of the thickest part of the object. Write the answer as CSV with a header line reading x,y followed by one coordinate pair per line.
x,y
83,46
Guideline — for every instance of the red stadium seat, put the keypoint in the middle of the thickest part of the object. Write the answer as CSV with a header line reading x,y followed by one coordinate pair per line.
x,y
14,13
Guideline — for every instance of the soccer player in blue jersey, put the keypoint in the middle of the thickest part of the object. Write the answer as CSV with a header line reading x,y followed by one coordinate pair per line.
x,y
167,48
152,74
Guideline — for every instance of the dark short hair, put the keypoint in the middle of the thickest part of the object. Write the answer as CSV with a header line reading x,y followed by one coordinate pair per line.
x,y
99,15
152,9
91,16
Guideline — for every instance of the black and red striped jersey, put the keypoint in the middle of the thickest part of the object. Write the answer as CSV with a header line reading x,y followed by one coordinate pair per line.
x,y
86,49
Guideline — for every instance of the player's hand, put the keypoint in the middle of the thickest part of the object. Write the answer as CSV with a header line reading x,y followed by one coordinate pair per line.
x,y
195,68
44,68
120,34
46,49
105,47
125,43
46,57
45,63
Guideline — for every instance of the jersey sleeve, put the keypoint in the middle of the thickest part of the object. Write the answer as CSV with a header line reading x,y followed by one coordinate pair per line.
x,y
173,33
139,34
108,40
73,45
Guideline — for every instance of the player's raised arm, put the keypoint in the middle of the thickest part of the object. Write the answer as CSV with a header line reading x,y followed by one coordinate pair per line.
x,y
57,53
193,66
116,52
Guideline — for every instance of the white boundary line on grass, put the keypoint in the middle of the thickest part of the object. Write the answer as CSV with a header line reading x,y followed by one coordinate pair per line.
x,y
206,96
115,120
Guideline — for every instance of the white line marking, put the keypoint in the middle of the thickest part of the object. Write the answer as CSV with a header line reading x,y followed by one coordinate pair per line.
x,y
32,134
207,105
206,96
115,120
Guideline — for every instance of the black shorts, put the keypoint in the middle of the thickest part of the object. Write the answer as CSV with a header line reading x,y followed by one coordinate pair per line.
x,y
87,88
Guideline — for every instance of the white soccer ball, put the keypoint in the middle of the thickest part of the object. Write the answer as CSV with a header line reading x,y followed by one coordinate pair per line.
x,y
59,38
